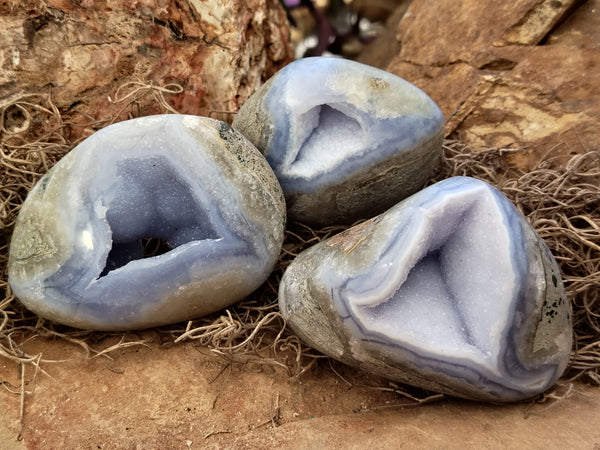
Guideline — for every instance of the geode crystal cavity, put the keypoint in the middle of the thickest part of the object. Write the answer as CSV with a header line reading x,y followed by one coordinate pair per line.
x,y
192,185
450,290
346,140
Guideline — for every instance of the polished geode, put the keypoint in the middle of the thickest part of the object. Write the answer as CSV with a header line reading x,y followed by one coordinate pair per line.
x,y
346,140
191,185
450,290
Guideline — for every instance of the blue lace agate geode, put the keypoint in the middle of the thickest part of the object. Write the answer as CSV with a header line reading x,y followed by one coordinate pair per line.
x,y
450,290
345,140
76,255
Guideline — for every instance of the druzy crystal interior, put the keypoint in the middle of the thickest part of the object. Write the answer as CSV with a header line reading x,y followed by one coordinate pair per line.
x,y
450,290
345,140
147,222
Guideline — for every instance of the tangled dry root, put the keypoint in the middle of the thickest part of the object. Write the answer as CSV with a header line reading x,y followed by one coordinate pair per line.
x,y
560,197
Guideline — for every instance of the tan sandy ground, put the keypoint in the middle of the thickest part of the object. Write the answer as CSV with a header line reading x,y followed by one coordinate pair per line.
x,y
179,396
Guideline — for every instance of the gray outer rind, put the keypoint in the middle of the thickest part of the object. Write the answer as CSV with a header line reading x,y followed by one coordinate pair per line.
x,y
545,321
253,119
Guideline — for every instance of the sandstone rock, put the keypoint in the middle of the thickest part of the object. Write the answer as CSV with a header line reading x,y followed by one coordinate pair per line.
x,y
81,52
524,74
437,32
377,11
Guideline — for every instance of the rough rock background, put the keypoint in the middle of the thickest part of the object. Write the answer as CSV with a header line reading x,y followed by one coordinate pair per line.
x,y
521,74
80,52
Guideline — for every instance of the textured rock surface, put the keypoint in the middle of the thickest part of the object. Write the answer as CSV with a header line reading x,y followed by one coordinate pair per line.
x,y
524,74
88,402
450,290
346,140
76,254
81,52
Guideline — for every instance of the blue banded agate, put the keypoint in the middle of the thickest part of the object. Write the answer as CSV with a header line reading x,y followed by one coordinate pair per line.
x,y
346,140
450,290
192,183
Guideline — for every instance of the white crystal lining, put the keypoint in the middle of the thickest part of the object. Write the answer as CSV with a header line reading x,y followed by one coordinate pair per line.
x,y
442,285
326,135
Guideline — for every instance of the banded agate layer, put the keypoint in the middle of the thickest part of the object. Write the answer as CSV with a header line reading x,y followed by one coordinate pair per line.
x,y
193,185
450,290
346,140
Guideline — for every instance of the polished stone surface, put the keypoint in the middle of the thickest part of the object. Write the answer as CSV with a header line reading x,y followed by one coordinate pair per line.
x,y
346,140
450,290
193,184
